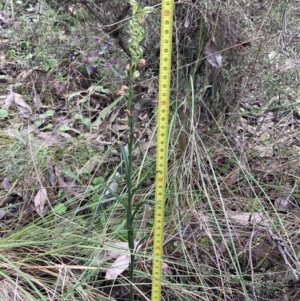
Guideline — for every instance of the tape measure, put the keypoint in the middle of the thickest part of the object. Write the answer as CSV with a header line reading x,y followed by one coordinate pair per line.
x,y
162,144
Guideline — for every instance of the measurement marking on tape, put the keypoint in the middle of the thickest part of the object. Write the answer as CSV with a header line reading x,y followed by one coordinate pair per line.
x,y
162,147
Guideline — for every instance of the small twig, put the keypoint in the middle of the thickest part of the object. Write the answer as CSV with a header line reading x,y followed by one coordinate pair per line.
x,y
177,236
284,253
251,264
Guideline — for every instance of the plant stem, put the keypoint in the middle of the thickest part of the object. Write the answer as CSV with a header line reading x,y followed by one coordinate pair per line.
x,y
136,53
130,217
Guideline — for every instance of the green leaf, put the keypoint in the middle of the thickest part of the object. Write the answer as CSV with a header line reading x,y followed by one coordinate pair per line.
x,y
98,181
48,126
101,89
86,121
148,9
85,171
72,175
3,113
48,113
95,201
77,116
63,128
38,123
134,6
60,208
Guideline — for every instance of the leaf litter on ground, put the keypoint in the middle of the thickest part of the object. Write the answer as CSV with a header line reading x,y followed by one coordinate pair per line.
x,y
40,201
22,106
120,252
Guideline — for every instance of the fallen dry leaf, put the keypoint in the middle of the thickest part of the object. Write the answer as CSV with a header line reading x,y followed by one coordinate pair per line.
x,y
166,269
91,164
23,107
51,172
8,101
49,138
40,200
119,251
37,102
211,52
248,219
118,267
121,263
6,184
23,75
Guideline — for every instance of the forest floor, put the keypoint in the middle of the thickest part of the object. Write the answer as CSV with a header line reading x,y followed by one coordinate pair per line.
x,y
232,211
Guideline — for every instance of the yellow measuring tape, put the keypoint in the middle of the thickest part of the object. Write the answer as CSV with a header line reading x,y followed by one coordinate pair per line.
x,y
162,146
